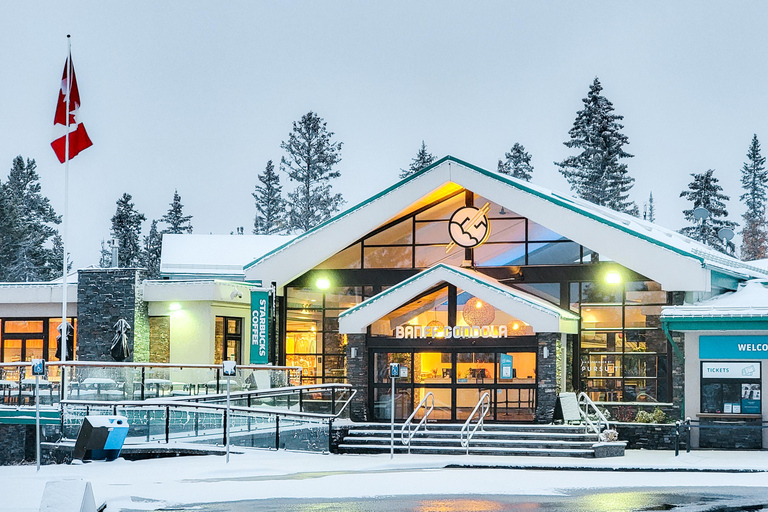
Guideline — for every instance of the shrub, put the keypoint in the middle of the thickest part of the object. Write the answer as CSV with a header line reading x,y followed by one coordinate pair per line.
x,y
659,416
643,417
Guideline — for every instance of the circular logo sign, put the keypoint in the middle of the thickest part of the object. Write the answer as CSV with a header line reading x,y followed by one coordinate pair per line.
x,y
469,226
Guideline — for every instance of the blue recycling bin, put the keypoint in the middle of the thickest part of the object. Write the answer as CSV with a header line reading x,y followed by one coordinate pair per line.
x,y
101,437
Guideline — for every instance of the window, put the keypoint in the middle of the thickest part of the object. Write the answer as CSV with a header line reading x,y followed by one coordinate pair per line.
x,y
731,387
623,352
229,339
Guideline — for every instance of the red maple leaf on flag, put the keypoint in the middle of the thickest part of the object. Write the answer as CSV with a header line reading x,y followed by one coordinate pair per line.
x,y
78,137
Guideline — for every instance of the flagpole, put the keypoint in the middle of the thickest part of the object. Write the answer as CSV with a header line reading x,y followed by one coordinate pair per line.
x,y
65,219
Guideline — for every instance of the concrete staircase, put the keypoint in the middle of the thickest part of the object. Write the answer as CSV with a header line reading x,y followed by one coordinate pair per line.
x,y
442,438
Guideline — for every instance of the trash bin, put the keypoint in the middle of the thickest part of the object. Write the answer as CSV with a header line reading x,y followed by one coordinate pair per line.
x,y
101,437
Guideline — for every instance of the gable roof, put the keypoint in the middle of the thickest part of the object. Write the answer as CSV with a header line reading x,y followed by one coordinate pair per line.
x,y
675,261
540,314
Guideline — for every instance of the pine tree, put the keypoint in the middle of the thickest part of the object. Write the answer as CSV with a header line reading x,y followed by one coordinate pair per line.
x,y
10,233
596,174
310,158
32,255
649,209
126,229
754,180
423,159
517,163
153,244
705,192
177,222
270,206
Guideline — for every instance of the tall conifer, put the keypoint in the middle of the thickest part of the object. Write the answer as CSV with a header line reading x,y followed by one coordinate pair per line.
x,y
270,205
309,161
754,180
423,159
705,192
597,174
126,229
177,222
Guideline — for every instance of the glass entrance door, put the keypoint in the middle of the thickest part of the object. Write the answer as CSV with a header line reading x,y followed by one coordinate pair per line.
x,y
457,380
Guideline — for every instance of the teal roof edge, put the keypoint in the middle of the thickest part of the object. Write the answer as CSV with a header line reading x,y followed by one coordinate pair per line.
x,y
550,309
493,175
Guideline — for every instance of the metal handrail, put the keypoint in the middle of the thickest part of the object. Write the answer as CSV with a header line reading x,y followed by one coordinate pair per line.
x,y
587,402
485,403
423,421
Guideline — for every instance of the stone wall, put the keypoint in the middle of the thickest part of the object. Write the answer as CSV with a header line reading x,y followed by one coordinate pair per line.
x,y
106,295
160,339
746,434
546,376
648,436
357,376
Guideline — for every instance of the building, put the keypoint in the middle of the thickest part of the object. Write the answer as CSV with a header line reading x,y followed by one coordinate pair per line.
x,y
474,281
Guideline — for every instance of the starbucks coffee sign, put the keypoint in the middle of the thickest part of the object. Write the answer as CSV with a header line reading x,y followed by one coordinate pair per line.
x,y
460,331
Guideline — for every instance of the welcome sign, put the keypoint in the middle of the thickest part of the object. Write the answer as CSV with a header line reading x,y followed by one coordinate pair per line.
x,y
259,327
733,347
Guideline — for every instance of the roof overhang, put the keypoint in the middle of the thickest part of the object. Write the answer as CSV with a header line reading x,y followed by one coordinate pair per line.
x,y
654,252
540,314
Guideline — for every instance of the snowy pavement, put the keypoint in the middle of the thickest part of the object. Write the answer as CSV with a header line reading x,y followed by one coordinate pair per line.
x,y
263,474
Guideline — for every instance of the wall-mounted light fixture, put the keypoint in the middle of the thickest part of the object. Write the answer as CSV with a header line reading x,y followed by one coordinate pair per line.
x,y
174,306
545,352
323,283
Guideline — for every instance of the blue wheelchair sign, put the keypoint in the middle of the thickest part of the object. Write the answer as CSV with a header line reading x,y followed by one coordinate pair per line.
x,y
38,367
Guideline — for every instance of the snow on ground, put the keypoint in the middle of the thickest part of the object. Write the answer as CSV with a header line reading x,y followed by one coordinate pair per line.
x,y
263,474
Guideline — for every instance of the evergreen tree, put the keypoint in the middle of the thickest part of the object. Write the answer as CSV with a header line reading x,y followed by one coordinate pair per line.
x,y
153,244
309,162
754,180
105,255
10,233
126,229
705,192
270,206
597,174
517,163
32,256
177,222
649,209
423,159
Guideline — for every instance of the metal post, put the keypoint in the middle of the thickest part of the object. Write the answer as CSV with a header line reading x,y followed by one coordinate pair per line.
x,y
677,438
688,436
37,419
277,432
227,416
167,423
392,418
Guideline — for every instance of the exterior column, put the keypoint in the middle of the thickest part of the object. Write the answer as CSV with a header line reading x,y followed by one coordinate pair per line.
x,y
546,376
357,375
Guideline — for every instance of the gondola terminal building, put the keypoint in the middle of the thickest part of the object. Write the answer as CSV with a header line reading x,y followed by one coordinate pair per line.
x,y
474,281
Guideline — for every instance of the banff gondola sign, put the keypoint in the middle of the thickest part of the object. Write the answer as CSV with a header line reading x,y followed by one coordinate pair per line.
x,y
259,326
460,331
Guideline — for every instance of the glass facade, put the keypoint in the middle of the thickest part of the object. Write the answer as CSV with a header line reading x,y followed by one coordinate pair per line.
x,y
619,355
229,340
31,338
623,352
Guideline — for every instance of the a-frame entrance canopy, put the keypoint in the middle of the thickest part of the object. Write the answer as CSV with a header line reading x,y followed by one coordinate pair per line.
x,y
538,313
660,254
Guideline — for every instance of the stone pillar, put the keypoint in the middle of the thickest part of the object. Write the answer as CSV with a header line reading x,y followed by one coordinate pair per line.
x,y
357,375
546,377
105,295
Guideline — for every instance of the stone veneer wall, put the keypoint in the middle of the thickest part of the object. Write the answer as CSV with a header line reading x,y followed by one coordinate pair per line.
x,y
160,339
357,375
546,377
104,296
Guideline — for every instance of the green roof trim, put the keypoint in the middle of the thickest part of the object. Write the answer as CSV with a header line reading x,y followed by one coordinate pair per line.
x,y
715,323
552,309
496,176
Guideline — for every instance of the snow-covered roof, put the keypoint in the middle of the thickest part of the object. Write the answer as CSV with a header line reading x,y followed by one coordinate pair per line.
x,y
661,254
750,300
213,290
185,256
540,314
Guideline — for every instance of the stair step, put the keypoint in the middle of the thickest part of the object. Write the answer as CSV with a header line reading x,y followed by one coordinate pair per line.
x,y
475,442
489,434
476,450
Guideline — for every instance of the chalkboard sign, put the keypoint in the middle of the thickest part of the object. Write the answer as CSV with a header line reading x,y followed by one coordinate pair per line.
x,y
567,408
712,397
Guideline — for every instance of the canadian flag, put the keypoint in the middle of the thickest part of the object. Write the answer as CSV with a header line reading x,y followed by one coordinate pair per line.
x,y
78,138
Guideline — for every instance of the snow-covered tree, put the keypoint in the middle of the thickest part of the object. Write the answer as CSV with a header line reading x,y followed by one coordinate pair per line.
x,y
649,209
705,192
126,229
105,255
597,174
754,181
270,205
153,244
10,233
177,222
517,163
30,241
423,159
311,156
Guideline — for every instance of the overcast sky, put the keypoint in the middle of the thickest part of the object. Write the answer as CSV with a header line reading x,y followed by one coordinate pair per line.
x,y
197,96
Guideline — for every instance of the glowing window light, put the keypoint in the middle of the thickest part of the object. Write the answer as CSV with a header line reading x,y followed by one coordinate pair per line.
x,y
323,283
613,277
